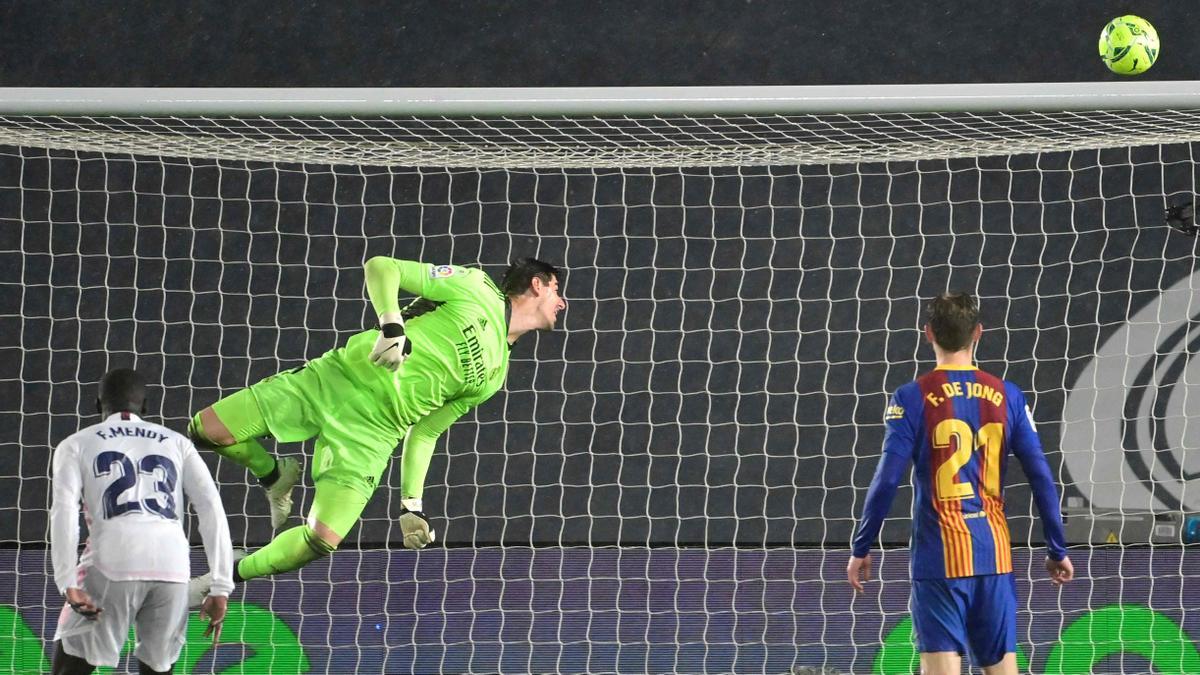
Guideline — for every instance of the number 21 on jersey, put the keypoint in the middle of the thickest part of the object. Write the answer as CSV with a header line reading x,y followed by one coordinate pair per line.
x,y
957,433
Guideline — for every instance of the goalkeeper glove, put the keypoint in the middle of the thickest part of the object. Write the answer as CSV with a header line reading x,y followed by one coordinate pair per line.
x,y
391,347
415,525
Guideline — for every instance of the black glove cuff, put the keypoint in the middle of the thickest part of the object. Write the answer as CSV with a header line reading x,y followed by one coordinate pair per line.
x,y
419,514
392,330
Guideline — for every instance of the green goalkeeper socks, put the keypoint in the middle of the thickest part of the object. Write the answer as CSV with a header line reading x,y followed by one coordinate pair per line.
x,y
291,550
250,454
334,505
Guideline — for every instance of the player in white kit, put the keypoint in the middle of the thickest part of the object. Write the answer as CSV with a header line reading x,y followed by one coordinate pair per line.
x,y
131,476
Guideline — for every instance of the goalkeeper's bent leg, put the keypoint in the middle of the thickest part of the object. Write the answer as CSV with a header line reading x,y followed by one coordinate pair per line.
x,y
231,427
335,510
291,550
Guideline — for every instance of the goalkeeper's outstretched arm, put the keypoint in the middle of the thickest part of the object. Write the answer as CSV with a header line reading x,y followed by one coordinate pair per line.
x,y
385,277
418,451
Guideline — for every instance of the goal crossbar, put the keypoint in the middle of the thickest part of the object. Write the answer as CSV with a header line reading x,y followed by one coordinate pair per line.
x,y
509,101
603,127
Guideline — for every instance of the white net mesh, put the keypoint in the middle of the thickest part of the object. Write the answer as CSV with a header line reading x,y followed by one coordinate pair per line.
x,y
667,484
597,142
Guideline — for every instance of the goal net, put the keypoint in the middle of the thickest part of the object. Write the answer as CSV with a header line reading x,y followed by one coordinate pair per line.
x,y
669,481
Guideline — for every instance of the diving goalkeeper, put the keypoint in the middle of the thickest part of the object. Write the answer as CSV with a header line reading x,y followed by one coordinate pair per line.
x,y
409,380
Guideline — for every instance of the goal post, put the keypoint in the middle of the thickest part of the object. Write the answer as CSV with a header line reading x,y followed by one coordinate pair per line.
x,y
669,482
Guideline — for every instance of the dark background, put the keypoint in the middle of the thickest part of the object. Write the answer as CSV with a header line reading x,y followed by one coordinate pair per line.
x,y
730,341
724,364
573,43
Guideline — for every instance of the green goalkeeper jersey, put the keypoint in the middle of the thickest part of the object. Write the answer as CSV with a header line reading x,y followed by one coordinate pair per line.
x,y
459,359
459,350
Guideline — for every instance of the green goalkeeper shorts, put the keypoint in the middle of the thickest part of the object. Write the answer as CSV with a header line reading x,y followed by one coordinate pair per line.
x,y
355,437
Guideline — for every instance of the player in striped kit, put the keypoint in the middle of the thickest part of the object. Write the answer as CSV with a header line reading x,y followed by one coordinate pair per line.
x,y
131,476
957,424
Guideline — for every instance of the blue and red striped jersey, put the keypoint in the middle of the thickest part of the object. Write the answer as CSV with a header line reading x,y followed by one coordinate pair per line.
x,y
957,425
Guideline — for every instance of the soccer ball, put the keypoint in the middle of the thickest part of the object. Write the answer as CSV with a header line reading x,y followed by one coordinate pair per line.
x,y
1129,45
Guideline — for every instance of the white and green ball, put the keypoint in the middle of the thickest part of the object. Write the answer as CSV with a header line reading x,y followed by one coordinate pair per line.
x,y
1129,45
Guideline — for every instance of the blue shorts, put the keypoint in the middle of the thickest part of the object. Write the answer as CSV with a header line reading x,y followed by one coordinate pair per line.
x,y
975,614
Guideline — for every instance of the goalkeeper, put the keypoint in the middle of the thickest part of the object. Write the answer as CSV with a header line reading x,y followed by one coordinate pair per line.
x,y
407,380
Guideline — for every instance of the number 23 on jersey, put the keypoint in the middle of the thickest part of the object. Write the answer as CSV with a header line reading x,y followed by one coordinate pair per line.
x,y
161,503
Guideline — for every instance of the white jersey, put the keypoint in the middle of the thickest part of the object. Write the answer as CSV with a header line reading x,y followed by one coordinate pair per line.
x,y
132,476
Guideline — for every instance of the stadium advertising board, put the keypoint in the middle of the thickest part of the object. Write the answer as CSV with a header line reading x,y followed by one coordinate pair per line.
x,y
636,610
